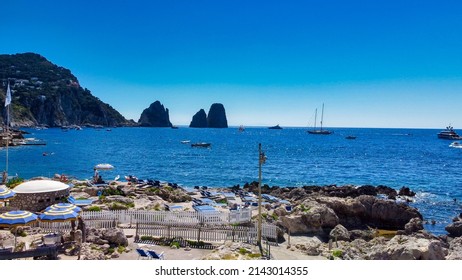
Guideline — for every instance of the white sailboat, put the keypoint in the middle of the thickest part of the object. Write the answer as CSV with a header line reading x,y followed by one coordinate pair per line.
x,y
320,131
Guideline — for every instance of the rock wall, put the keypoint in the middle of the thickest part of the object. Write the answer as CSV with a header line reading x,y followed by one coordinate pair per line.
x,y
35,202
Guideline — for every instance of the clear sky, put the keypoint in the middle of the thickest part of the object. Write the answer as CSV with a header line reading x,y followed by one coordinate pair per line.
x,y
373,63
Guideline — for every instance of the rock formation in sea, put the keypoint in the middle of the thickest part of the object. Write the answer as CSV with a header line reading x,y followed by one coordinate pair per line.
x,y
217,116
199,120
215,119
46,94
156,115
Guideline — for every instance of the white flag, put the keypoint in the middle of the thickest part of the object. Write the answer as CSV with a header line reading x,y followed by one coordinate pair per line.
x,y
8,96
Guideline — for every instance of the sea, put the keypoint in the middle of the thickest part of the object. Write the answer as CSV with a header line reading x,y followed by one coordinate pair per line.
x,y
415,158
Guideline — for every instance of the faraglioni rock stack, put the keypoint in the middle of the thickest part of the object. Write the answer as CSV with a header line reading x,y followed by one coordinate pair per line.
x,y
215,119
155,116
199,120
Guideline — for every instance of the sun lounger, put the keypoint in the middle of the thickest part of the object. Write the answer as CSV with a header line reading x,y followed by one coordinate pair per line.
x,y
155,255
79,202
143,254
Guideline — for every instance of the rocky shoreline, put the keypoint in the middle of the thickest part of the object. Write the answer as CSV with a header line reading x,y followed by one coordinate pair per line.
x,y
329,222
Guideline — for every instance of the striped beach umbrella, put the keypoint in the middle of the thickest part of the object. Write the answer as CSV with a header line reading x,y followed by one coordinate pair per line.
x,y
17,218
58,215
6,193
65,206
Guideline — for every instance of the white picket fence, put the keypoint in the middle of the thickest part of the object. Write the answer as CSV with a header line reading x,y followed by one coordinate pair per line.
x,y
208,233
213,227
132,217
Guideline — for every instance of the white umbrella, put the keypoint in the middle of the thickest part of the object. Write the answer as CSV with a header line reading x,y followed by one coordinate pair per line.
x,y
103,166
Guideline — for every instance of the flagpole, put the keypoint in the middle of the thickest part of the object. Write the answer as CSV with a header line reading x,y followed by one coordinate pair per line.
x,y
7,105
259,197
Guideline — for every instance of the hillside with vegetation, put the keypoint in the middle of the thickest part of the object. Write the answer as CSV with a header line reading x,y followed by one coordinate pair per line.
x,y
45,94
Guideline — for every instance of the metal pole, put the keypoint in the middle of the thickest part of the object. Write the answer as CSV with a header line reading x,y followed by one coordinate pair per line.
x,y
259,196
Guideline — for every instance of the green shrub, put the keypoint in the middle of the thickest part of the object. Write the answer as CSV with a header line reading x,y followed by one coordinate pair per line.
x,y
120,249
94,208
337,253
14,182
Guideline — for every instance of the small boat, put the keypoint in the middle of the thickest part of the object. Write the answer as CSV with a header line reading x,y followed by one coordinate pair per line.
x,y
174,127
350,137
275,127
241,128
449,134
456,145
202,144
185,141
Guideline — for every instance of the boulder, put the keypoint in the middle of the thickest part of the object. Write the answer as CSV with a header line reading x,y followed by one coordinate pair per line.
x,y
339,233
387,214
455,249
119,198
405,191
114,236
312,247
156,115
310,217
217,116
350,211
402,247
454,229
199,120
414,225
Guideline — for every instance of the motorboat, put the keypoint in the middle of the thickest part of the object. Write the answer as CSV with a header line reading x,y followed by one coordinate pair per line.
x,y
202,144
275,127
456,145
449,134
185,141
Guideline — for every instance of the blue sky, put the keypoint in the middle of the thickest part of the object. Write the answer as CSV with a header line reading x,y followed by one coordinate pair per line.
x,y
373,63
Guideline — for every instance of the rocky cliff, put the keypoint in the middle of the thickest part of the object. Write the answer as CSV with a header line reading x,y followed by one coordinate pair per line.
x,y
199,120
217,116
46,94
215,119
155,116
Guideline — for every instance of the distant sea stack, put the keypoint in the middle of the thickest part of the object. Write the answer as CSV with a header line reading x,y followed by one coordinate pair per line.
x,y
215,119
199,120
155,116
46,94
217,116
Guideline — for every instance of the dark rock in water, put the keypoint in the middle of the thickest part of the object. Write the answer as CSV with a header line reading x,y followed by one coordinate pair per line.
x,y
217,116
454,229
405,191
389,192
199,120
155,116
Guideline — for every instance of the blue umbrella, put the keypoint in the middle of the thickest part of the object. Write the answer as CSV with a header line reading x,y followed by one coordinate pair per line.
x,y
6,193
65,206
17,218
58,215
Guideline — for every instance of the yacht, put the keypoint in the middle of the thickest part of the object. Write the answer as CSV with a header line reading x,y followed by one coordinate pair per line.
x,y
449,133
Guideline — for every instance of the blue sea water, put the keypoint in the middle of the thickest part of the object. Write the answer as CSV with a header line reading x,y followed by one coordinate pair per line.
x,y
394,157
